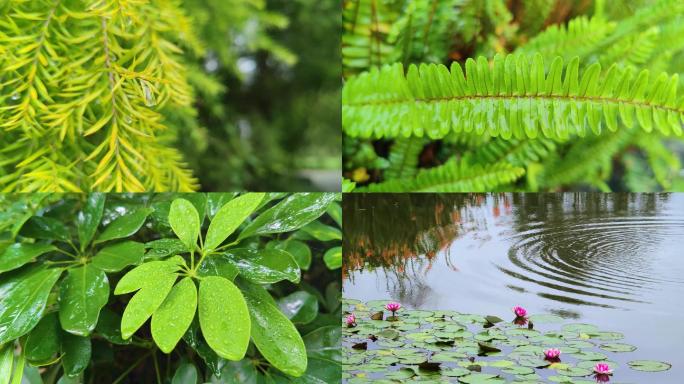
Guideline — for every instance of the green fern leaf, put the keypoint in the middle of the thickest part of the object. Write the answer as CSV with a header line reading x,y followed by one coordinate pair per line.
x,y
452,176
515,97
403,158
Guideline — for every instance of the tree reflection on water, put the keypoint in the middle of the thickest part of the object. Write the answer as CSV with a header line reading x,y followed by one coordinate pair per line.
x,y
401,236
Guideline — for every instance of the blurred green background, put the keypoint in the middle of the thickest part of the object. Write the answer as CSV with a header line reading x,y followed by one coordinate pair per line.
x,y
267,83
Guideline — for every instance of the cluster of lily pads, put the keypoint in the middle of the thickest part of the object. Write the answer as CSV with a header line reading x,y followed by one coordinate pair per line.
x,y
383,343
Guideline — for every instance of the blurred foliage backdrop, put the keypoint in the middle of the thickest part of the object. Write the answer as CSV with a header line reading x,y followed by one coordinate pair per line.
x,y
267,103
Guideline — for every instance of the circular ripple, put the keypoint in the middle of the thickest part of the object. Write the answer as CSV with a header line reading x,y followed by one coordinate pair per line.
x,y
602,262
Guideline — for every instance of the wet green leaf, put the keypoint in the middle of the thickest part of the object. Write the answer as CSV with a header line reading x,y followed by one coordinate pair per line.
x,y
138,277
76,352
264,265
217,265
193,337
185,222
320,371
300,307
118,256
172,319
109,327
43,342
216,200
292,213
39,227
6,362
88,219
238,372
298,249
333,258
322,232
124,226
185,374
276,337
24,298
84,292
145,302
224,317
151,294
335,211
324,343
158,249
19,254
229,218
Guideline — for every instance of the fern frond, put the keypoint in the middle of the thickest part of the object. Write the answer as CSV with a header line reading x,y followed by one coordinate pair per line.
x,y
585,159
633,50
515,152
452,176
663,161
425,31
580,37
403,158
367,25
513,98
533,14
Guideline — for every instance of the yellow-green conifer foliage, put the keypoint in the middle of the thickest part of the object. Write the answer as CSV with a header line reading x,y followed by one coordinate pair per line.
x,y
82,84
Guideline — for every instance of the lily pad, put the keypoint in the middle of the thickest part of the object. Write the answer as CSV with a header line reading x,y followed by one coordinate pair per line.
x,y
649,365
618,347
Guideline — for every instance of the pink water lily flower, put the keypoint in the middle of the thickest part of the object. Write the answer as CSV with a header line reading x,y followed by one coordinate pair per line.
x,y
519,311
351,320
393,307
552,354
602,369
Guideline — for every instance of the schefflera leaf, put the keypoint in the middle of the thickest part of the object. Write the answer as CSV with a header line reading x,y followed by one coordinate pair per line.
x,y
19,254
185,222
89,218
43,342
229,217
293,212
224,318
174,316
273,333
118,256
153,281
264,266
24,297
76,353
125,225
82,295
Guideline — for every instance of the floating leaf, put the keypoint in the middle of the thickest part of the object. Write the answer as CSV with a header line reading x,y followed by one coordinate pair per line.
x,y
649,365
377,315
618,347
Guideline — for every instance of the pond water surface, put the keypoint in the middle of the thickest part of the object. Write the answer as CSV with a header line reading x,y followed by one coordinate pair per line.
x,y
612,260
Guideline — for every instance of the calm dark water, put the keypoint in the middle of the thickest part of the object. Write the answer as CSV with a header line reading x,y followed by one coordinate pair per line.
x,y
613,260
